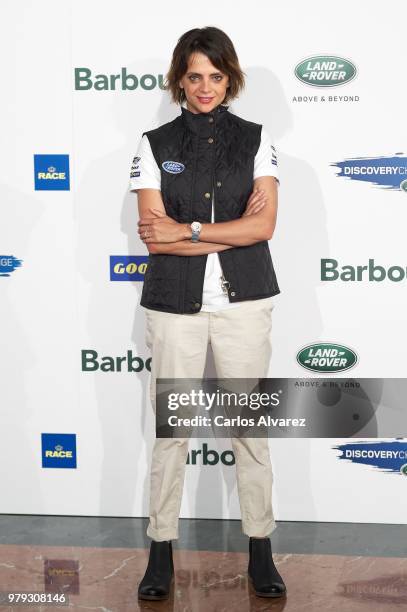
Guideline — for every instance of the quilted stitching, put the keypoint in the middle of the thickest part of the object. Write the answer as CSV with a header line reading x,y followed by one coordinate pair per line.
x,y
174,283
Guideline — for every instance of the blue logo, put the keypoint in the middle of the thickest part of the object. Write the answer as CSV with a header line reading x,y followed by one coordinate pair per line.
x,y
8,263
58,450
385,172
128,267
173,167
51,172
387,457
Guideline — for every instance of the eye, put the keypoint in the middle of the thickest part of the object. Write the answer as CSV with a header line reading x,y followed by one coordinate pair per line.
x,y
193,77
218,77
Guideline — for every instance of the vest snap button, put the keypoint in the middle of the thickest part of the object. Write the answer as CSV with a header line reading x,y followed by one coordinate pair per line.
x,y
210,140
207,195
232,293
197,305
218,184
210,119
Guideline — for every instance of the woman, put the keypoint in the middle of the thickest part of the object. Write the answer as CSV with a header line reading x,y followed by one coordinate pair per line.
x,y
207,198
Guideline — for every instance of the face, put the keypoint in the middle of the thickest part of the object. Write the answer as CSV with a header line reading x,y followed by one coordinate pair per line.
x,y
204,85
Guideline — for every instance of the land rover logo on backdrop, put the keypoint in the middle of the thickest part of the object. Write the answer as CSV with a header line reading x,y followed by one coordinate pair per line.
x,y
321,73
326,357
325,71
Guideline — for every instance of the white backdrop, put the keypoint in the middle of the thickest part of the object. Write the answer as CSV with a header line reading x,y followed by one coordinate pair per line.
x,y
61,300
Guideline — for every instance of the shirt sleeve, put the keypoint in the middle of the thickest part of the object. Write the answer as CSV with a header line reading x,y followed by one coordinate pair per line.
x,y
265,162
144,172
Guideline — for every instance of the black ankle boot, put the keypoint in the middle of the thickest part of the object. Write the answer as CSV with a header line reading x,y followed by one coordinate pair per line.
x,y
266,580
156,582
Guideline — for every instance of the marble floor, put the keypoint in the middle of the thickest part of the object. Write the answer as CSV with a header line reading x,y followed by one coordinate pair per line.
x,y
97,563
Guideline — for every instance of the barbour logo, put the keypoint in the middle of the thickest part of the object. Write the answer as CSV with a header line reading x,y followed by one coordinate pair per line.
x,y
173,167
325,71
326,357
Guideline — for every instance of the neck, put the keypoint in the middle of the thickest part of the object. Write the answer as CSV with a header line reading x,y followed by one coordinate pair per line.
x,y
196,112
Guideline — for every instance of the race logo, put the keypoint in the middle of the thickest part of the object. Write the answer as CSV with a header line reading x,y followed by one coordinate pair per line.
x,y
383,172
8,263
128,267
387,457
326,357
173,167
325,71
58,450
51,172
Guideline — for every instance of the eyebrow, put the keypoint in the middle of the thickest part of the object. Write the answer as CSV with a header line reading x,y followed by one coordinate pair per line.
x,y
200,74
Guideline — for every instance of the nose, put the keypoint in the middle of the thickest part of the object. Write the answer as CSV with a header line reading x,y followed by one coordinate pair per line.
x,y
205,87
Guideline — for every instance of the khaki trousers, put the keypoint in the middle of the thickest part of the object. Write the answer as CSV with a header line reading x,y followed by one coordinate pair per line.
x,y
241,346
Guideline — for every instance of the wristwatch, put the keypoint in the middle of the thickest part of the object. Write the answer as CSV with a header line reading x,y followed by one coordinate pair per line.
x,y
196,230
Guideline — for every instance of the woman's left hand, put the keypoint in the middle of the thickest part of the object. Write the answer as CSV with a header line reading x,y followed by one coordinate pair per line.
x,y
161,228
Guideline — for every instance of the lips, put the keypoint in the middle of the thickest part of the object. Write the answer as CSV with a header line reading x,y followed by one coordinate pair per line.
x,y
204,100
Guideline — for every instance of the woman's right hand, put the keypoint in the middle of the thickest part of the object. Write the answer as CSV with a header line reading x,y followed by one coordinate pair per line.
x,y
255,202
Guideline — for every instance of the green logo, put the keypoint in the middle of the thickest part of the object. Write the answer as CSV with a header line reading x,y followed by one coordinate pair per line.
x,y
403,185
124,81
91,362
325,71
210,457
403,469
371,273
326,357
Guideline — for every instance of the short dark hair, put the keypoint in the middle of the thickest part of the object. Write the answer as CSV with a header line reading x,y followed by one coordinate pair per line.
x,y
218,47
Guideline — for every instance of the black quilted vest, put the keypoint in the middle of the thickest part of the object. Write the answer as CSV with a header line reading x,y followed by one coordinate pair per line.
x,y
215,152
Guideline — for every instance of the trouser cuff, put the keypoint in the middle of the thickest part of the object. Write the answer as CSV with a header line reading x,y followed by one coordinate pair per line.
x,y
259,530
160,535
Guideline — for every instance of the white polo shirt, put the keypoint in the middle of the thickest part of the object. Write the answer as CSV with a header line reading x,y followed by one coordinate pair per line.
x,y
145,173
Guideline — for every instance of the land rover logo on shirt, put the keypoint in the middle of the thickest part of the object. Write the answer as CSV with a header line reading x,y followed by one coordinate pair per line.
x,y
325,71
326,357
173,167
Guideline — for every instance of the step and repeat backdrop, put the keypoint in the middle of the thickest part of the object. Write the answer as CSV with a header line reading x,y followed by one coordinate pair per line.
x,y
80,85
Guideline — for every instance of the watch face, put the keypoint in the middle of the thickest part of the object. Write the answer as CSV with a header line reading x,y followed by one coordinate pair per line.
x,y
196,226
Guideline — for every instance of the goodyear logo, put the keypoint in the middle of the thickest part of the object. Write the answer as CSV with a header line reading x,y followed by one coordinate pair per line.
x,y
385,456
382,172
58,450
325,71
326,357
128,267
51,172
8,263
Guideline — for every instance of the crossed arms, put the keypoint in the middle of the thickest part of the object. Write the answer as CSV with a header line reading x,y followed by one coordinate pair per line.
x,y
167,236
